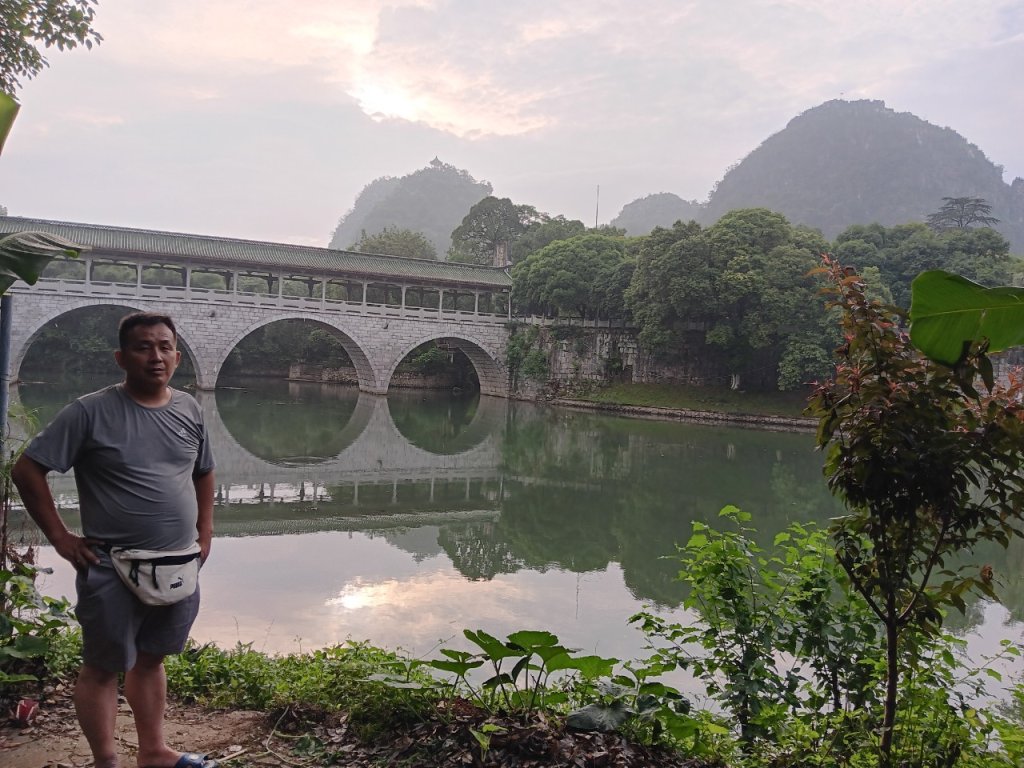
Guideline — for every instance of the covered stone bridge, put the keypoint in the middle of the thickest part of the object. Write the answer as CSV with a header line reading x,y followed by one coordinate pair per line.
x,y
219,290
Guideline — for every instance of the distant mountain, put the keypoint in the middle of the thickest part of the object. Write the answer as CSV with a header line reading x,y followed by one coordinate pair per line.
x,y
659,210
432,201
859,162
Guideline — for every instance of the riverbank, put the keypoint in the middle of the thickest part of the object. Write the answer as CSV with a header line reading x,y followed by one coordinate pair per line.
x,y
759,421
782,411
446,736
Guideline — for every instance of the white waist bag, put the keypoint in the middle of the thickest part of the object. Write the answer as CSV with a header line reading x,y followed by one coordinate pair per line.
x,y
158,577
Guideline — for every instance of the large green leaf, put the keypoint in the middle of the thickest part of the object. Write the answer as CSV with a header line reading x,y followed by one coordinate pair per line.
x,y
24,255
948,312
8,111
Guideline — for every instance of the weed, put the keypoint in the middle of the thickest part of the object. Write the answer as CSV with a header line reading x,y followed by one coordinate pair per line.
x,y
31,625
534,656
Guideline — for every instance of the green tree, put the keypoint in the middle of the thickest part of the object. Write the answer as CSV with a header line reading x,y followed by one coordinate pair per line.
x,y
393,241
961,213
28,24
584,276
902,252
491,228
926,466
742,286
545,232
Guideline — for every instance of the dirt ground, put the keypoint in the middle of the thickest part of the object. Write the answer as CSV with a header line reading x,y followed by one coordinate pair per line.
x,y
54,739
241,739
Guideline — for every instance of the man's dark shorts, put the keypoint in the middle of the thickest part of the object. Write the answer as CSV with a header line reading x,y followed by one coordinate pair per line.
x,y
116,626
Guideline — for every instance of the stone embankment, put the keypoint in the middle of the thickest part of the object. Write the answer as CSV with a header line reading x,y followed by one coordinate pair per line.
x,y
758,421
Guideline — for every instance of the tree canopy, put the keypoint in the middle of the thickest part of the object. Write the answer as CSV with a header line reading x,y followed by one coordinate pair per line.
x,y
743,284
393,241
492,225
29,24
902,252
961,213
545,232
584,276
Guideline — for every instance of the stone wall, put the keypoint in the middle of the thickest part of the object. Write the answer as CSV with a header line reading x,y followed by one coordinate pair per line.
x,y
583,357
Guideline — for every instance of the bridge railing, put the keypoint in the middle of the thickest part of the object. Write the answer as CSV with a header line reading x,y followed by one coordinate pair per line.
x,y
577,322
244,298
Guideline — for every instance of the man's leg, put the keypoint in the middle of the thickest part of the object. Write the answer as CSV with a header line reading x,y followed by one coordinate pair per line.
x,y
96,707
145,687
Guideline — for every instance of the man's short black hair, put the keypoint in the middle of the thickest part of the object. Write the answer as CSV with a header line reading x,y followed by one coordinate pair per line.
x,y
135,319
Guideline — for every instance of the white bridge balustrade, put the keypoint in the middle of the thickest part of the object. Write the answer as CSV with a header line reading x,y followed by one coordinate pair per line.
x,y
380,307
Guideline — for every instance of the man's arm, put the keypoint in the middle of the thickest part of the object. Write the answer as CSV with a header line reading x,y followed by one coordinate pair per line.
x,y
30,478
204,524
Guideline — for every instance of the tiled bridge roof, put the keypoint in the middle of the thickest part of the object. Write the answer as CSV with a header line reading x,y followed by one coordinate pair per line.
x,y
255,255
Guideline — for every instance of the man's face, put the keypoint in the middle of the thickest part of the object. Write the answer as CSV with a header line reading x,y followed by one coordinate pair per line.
x,y
149,357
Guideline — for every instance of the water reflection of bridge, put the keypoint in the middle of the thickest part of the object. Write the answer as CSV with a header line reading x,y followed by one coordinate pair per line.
x,y
378,478
372,450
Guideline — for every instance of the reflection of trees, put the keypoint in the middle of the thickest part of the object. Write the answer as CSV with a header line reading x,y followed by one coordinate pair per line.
x,y
585,490
477,551
278,426
435,422
547,525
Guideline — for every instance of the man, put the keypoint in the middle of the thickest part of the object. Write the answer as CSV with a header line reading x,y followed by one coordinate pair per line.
x,y
144,472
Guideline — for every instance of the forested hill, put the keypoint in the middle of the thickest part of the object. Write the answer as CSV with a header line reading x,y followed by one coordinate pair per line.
x,y
859,162
659,210
431,201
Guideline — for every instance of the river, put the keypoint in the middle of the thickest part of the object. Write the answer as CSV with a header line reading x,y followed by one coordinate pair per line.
x,y
403,520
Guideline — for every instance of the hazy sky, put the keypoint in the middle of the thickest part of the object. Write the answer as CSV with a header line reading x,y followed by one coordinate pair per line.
x,y
264,119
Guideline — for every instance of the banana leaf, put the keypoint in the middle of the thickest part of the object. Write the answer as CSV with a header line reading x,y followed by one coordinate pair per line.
x,y
8,111
949,312
24,255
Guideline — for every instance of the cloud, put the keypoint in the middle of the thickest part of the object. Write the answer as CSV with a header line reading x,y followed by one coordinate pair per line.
x,y
297,106
476,69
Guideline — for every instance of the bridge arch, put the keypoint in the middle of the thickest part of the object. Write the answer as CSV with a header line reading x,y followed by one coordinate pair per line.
x,y
30,328
489,371
352,346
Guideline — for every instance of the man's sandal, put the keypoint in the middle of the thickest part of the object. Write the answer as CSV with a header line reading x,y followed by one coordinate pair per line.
x,y
195,760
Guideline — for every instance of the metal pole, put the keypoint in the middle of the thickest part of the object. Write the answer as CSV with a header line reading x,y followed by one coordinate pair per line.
x,y
6,318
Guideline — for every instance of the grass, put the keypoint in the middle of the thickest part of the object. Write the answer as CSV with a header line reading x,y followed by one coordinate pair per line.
x,y
332,679
721,400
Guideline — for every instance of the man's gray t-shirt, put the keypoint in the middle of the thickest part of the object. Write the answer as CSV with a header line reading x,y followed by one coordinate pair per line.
x,y
134,466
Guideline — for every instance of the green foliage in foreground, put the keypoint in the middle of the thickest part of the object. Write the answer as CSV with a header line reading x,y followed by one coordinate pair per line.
x,y
927,468
32,627
339,678
817,699
781,643
949,312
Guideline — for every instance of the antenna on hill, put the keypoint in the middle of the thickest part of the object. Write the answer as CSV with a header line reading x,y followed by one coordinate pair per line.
x,y
597,205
